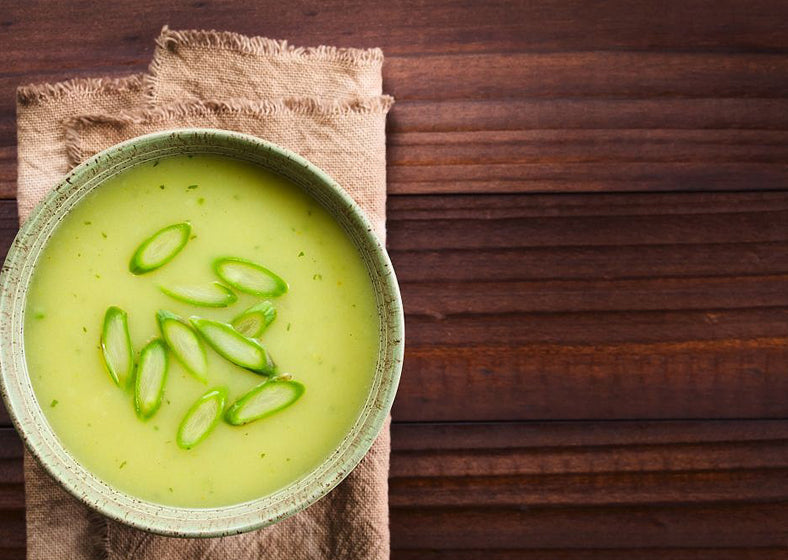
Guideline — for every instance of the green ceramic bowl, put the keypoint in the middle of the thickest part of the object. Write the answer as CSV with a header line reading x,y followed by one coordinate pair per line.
x,y
26,411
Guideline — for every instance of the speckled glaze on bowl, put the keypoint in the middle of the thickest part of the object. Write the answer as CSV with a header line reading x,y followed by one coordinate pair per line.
x,y
29,418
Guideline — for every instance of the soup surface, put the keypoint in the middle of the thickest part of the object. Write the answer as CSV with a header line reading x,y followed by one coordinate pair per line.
x,y
325,333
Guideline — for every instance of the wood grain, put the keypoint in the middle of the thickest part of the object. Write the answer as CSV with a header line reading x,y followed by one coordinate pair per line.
x,y
687,526
569,152
515,78
587,74
587,216
406,27
656,553
534,487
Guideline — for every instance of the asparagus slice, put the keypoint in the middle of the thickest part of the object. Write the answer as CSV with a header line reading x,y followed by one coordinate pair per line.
x,y
184,344
151,374
252,322
212,295
160,248
264,400
249,277
201,418
233,346
116,346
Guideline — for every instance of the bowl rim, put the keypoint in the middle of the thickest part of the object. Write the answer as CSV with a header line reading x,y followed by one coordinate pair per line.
x,y
28,416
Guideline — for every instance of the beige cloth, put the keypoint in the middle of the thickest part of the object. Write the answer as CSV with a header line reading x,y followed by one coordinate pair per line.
x,y
40,109
323,103
345,138
185,67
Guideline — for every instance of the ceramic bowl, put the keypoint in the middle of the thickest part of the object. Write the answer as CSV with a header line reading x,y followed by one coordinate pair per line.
x,y
26,411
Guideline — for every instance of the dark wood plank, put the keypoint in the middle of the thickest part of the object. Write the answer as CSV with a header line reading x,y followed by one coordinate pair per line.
x,y
557,347
574,74
410,27
546,227
445,516
562,114
484,147
12,533
567,490
586,177
577,113
725,378
577,435
616,464
587,74
514,78
7,168
9,225
515,330
709,260
569,153
749,553
440,299
444,147
535,486
756,526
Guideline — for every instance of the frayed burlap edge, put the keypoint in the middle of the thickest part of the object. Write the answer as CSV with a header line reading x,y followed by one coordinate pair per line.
x,y
83,87
308,106
170,40
228,40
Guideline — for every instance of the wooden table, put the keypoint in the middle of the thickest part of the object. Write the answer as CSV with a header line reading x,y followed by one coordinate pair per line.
x,y
588,214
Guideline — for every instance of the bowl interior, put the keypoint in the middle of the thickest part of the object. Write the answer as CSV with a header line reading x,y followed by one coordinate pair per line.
x,y
29,418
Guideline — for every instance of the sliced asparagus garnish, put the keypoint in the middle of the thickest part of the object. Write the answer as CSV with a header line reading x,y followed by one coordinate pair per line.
x,y
252,322
264,400
160,248
233,346
184,343
201,418
249,277
116,346
149,382
206,295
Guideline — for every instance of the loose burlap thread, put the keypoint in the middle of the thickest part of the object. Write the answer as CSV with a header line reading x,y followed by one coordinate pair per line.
x,y
324,103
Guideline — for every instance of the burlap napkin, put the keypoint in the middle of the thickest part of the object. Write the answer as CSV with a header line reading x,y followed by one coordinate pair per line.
x,y
323,103
346,138
185,67
40,110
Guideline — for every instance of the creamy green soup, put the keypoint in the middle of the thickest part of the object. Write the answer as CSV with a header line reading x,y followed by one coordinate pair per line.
x,y
325,334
